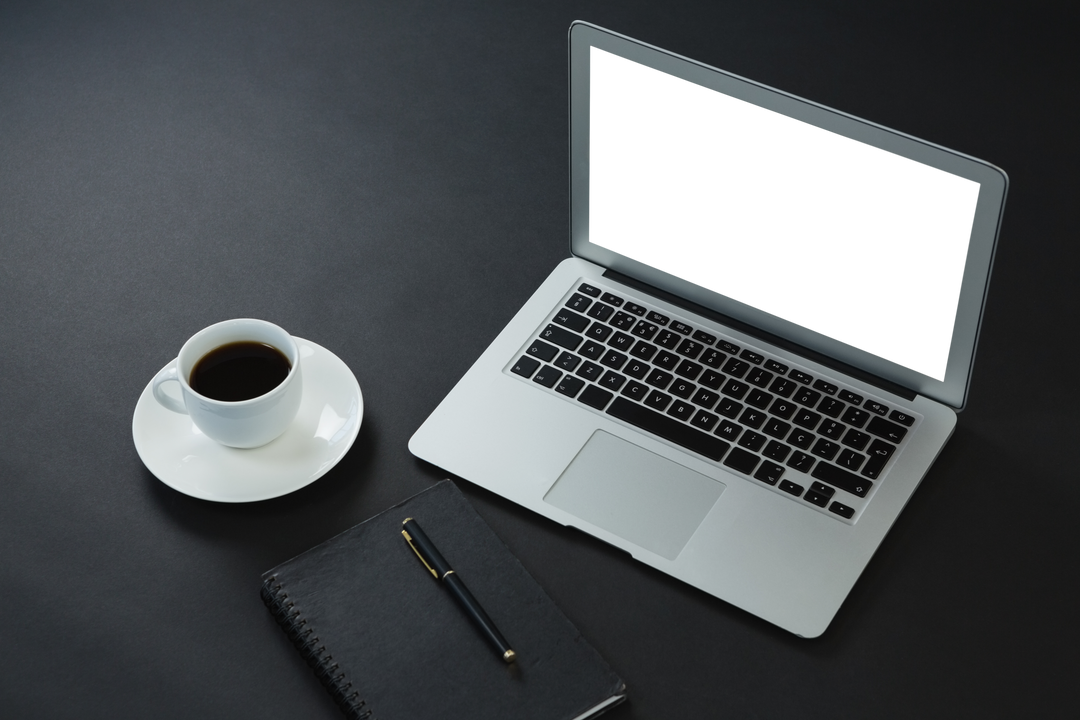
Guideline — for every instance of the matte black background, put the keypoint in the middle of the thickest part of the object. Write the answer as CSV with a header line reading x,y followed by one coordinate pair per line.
x,y
389,179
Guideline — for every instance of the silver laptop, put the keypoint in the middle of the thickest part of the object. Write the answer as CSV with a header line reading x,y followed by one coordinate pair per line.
x,y
760,342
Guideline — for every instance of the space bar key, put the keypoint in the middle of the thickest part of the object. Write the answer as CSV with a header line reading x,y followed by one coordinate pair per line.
x,y
668,428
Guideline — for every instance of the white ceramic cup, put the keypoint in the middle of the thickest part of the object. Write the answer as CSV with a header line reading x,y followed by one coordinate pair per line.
x,y
247,423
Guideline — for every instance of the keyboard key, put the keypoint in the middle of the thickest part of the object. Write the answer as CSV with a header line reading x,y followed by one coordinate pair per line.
x,y
643,350
705,398
728,347
595,397
806,419
825,449
782,387
879,454
703,337
842,510
888,430
741,460
832,430
672,430
801,439
711,379
681,327
613,359
752,418
816,498
729,408
613,300
769,473
850,460
569,385
800,376
621,341
855,416
570,319
752,357
690,348
567,361
547,376
783,409
590,371
902,418
600,311
856,439
623,320
759,399
667,360
704,420
589,290
525,367
612,381
713,358
634,308
541,350
635,391
735,389
657,400
578,302
850,397
598,332
824,489
682,388
752,440
776,428
659,378
807,397
790,487
636,369
778,368
668,339
657,318
876,407
825,387
592,350
831,407
801,461
759,377
777,451
729,430
689,370
736,368
842,479
645,329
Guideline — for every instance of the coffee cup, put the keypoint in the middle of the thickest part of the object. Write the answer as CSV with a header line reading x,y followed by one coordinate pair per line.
x,y
239,381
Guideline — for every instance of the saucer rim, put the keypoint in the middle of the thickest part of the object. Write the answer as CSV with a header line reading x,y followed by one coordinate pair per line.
x,y
330,462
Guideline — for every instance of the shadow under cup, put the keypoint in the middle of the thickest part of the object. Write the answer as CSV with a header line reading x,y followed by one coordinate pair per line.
x,y
245,423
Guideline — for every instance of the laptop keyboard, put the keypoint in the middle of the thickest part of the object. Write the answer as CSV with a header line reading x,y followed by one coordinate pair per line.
x,y
804,436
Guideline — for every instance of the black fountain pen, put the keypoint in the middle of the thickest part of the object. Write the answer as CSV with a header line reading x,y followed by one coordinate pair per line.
x,y
434,562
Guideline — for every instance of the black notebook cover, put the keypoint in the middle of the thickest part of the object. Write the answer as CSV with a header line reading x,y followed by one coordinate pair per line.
x,y
390,643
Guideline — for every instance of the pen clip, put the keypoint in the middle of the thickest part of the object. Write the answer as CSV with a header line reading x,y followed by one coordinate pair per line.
x,y
408,539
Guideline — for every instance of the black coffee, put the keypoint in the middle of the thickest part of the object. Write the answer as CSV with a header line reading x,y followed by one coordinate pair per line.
x,y
239,371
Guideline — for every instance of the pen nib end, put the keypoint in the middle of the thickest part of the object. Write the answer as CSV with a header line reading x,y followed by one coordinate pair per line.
x,y
509,656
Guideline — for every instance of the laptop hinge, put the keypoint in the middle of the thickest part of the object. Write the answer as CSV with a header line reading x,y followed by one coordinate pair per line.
x,y
763,335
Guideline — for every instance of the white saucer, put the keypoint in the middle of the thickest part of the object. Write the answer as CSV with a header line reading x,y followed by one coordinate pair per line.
x,y
179,455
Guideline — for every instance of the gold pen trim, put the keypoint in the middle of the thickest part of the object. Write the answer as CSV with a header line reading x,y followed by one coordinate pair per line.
x,y
408,539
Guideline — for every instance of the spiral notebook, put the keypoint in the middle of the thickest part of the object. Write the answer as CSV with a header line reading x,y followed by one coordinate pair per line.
x,y
389,643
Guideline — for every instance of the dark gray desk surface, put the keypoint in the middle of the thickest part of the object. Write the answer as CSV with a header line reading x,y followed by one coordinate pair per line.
x,y
389,179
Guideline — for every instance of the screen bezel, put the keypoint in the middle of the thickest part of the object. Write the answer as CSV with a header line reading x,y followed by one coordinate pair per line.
x,y
993,187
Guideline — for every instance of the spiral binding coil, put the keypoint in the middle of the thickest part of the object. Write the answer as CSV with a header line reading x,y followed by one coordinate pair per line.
x,y
313,652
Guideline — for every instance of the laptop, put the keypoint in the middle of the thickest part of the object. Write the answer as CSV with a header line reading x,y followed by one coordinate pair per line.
x,y
760,341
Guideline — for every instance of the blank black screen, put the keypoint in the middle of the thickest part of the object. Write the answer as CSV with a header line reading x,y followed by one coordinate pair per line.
x,y
855,243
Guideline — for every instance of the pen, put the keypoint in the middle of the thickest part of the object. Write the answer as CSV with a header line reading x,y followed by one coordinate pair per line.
x,y
437,565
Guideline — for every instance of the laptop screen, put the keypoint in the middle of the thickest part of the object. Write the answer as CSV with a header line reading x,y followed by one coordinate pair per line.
x,y
845,239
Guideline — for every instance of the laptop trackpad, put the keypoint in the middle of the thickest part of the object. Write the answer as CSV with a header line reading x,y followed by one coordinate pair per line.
x,y
635,494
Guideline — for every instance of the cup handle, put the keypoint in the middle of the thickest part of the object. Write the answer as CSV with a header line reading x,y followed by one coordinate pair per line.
x,y
168,401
